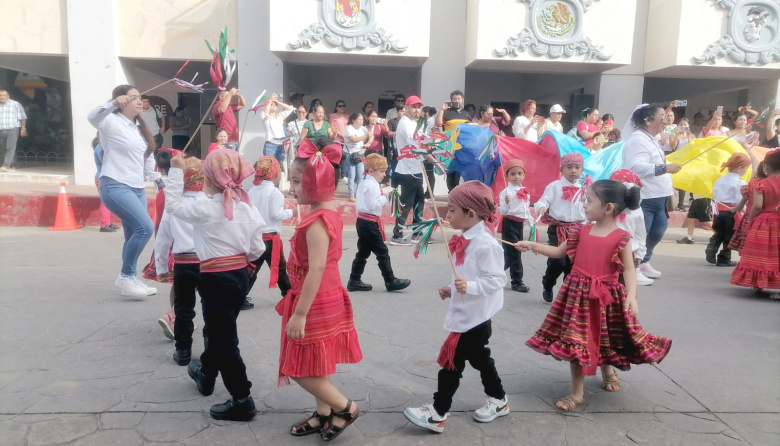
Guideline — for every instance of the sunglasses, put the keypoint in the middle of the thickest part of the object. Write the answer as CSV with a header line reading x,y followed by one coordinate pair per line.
x,y
340,106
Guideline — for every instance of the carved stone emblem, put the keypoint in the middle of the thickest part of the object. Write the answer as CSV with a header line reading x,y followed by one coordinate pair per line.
x,y
555,31
349,24
753,33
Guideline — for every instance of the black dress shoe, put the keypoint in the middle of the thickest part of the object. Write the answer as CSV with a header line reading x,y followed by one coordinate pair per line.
x,y
547,295
397,284
730,263
247,305
521,288
113,226
234,410
710,255
205,385
182,356
107,229
358,285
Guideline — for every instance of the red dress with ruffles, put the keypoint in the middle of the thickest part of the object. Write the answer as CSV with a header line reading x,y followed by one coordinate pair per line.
x,y
587,324
759,262
738,238
329,336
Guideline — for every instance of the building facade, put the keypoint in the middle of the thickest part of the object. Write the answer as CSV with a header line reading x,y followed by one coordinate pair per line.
x,y
611,54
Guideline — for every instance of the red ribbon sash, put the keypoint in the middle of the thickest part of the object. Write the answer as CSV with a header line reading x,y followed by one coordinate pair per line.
x,y
222,264
375,219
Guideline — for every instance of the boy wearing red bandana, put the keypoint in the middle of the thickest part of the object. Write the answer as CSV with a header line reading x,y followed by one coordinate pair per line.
x,y
514,202
561,207
477,292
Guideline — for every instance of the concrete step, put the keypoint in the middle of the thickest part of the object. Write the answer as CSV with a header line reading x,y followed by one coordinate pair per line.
x,y
23,176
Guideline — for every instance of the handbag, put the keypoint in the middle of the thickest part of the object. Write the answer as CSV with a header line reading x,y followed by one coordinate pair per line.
x,y
355,158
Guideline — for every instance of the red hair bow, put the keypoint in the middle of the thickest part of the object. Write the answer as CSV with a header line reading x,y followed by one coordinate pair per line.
x,y
319,179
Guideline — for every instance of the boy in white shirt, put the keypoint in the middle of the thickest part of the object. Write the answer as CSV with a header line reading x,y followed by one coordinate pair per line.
x,y
269,201
561,206
477,292
633,222
727,193
514,204
371,230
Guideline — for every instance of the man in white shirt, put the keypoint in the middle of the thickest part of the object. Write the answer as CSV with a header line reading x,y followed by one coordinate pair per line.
x,y
13,123
152,119
409,170
554,121
393,113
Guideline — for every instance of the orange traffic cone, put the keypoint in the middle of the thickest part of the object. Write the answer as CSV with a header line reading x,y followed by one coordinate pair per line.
x,y
64,221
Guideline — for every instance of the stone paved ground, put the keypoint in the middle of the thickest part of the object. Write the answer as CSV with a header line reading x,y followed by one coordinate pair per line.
x,y
81,365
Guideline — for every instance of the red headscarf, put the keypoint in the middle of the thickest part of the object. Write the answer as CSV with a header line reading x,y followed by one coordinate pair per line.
x,y
193,174
227,169
572,158
265,168
626,176
513,163
736,160
318,174
477,197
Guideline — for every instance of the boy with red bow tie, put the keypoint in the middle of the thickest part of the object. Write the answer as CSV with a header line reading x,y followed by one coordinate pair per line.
x,y
479,282
561,207
514,202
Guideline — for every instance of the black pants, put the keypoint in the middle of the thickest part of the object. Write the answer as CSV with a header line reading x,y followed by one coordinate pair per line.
x,y
723,225
412,199
453,179
370,240
186,278
554,266
472,347
221,295
284,281
429,172
513,232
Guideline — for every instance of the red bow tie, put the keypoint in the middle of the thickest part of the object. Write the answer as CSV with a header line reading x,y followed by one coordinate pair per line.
x,y
523,194
458,248
621,217
570,193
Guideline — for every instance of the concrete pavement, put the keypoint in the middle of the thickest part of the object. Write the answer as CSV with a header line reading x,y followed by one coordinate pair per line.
x,y
80,364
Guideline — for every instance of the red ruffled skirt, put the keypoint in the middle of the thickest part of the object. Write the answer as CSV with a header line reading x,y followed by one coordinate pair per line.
x,y
759,262
565,332
330,337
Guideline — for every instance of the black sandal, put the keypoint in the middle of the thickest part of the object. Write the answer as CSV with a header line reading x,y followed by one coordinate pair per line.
x,y
303,427
330,431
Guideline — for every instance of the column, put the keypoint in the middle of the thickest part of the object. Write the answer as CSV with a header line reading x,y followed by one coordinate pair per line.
x,y
619,94
258,69
95,69
445,70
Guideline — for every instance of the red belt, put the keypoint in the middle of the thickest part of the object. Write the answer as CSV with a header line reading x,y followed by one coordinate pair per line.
x,y
561,227
514,219
598,292
722,207
276,255
375,219
222,264
185,258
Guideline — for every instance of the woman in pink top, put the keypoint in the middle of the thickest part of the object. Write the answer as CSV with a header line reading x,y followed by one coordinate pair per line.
x,y
380,132
715,126
587,128
338,120
220,141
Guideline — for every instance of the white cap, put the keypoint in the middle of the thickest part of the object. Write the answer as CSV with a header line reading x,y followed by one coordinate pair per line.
x,y
557,109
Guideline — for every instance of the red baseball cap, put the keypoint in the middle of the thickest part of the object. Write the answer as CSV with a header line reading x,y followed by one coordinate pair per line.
x,y
413,100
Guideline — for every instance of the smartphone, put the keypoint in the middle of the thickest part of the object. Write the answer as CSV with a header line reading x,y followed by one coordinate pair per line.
x,y
381,121
681,103
453,105
719,109
232,145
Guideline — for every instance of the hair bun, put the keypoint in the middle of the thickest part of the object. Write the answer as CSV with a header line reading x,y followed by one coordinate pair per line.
x,y
633,196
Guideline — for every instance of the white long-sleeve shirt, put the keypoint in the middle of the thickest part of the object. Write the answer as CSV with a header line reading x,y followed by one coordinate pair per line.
x,y
404,136
518,128
274,126
174,233
641,153
558,208
269,202
369,198
634,224
726,189
519,208
123,147
483,269
213,234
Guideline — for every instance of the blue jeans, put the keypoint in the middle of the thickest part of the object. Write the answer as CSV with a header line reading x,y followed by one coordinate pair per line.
x,y
129,204
656,222
274,150
354,175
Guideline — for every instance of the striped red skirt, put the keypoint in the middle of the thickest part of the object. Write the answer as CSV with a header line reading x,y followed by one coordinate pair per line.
x,y
565,332
759,262
738,238
329,337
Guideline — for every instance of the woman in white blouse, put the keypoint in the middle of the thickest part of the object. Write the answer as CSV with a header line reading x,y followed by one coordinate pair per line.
x,y
355,138
127,146
642,154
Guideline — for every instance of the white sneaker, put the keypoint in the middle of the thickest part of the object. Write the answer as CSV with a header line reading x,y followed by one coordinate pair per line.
x,y
130,287
643,280
648,271
492,409
149,290
427,417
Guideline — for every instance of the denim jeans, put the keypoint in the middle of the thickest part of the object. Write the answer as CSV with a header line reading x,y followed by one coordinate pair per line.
x,y
354,175
274,150
129,204
656,222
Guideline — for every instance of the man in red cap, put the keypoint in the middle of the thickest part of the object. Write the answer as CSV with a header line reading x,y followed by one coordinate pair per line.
x,y
409,170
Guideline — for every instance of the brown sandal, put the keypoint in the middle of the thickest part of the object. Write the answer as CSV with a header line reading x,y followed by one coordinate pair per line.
x,y
570,403
611,379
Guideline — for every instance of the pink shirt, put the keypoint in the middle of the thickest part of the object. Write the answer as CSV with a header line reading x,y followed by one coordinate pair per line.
x,y
226,120
380,132
340,123
582,125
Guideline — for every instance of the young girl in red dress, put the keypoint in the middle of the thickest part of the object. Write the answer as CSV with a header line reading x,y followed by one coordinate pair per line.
x,y
317,327
593,320
759,263
738,239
